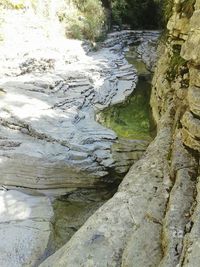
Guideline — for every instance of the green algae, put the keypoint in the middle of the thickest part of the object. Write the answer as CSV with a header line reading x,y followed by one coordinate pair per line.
x,y
132,119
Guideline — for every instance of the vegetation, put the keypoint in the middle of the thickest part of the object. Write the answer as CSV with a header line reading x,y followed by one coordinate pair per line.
x,y
90,19
177,65
131,119
137,13
81,22
167,9
84,19
16,4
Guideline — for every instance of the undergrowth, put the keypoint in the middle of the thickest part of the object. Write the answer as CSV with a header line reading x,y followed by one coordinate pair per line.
x,y
83,19
177,65
17,4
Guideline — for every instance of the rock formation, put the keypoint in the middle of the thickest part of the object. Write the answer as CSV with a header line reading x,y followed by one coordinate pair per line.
x,y
50,143
49,139
49,99
153,219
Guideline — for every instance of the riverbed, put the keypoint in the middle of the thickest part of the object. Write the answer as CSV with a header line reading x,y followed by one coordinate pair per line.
x,y
130,120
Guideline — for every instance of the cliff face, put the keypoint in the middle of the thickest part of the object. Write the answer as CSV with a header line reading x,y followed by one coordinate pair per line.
x,y
176,83
153,219
177,76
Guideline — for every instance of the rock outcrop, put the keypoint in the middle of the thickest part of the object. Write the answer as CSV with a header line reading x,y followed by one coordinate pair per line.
x,y
49,98
153,219
50,143
114,235
25,228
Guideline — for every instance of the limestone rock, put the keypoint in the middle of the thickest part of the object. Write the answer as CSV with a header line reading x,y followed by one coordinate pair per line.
x,y
190,255
102,239
190,49
194,99
179,204
126,152
25,228
49,138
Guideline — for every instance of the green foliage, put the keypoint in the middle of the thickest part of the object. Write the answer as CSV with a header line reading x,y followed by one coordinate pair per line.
x,y
167,9
16,4
177,64
84,19
119,9
137,13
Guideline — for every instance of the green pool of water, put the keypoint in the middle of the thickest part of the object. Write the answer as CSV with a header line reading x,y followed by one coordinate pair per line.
x,y
132,119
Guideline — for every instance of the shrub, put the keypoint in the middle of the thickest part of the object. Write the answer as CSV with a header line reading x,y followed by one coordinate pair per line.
x,y
83,19
137,13
167,9
119,9
16,4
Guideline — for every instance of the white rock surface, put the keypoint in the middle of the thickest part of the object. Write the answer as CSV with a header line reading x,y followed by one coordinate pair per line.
x,y
24,228
50,92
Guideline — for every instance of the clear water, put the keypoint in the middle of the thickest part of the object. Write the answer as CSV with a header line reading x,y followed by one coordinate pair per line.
x,y
132,119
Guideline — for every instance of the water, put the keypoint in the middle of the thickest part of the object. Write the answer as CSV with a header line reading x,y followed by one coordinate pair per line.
x,y
71,211
132,119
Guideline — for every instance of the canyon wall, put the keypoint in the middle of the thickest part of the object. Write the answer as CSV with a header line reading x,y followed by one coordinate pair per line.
x,y
153,219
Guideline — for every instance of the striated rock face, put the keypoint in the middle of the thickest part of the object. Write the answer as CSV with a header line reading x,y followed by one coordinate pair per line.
x,y
48,100
178,82
25,228
50,143
181,55
153,219
114,235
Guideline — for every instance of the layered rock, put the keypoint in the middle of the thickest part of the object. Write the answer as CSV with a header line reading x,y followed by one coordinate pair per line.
x,y
178,81
114,235
49,96
153,219
50,143
25,228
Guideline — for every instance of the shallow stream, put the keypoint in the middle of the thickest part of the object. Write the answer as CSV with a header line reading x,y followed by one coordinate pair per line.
x,y
130,120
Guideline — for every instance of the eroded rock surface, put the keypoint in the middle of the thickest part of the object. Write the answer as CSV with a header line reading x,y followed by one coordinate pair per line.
x,y
49,97
153,219
25,228
137,207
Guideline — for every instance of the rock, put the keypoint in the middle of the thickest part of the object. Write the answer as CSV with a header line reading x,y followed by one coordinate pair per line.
x,y
190,254
102,239
126,152
191,124
25,228
190,49
148,52
181,199
50,98
194,98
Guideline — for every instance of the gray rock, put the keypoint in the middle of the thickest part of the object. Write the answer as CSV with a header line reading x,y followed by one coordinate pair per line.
x,y
24,228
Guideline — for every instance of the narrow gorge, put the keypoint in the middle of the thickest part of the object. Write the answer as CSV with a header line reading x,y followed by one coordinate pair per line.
x,y
99,141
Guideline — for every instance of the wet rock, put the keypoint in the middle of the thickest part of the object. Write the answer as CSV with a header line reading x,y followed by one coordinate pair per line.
x,y
49,111
102,239
150,57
